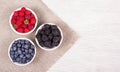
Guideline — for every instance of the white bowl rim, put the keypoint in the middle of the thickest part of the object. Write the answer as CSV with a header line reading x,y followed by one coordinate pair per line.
x,y
29,31
45,48
16,62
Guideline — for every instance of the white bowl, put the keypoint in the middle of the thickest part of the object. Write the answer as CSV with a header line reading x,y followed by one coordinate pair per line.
x,y
19,63
29,31
45,48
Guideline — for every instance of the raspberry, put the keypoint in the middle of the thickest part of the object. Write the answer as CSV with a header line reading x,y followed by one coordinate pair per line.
x,y
20,30
26,30
16,13
27,12
27,16
33,21
21,13
32,16
23,9
18,22
30,27
24,26
13,21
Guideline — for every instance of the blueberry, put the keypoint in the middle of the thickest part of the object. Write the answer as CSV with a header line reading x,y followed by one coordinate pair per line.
x,y
14,48
30,50
28,55
17,59
19,52
21,56
27,42
32,46
22,49
18,45
26,51
44,38
26,46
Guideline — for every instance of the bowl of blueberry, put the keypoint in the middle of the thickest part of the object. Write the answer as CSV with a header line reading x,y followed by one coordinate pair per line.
x,y
22,51
23,21
49,36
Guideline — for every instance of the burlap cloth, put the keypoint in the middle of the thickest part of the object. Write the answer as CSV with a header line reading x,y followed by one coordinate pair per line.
x,y
43,60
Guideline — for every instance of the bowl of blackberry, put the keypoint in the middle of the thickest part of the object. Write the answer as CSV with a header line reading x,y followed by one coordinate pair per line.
x,y
23,21
49,36
22,51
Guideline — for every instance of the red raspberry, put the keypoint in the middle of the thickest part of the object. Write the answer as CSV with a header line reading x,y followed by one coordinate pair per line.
x,y
32,16
20,30
20,19
30,27
26,30
27,16
27,12
24,26
21,13
13,21
18,22
32,21
23,9
15,13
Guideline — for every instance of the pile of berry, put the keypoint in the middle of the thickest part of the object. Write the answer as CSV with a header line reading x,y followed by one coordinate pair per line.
x,y
23,20
22,51
49,36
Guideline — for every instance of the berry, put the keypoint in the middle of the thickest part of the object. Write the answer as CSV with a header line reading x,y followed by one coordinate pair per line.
x,y
27,17
18,23
26,30
21,13
13,21
20,30
30,27
15,13
32,21
27,12
23,9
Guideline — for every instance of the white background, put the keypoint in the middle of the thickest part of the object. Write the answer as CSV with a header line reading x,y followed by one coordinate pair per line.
x,y
98,24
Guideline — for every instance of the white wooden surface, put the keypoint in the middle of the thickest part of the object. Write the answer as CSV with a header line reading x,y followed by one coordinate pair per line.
x,y
98,24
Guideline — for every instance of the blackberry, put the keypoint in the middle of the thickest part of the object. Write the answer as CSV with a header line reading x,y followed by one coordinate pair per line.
x,y
49,36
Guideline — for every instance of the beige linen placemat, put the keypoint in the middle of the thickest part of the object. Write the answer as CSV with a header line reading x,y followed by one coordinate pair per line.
x,y
43,60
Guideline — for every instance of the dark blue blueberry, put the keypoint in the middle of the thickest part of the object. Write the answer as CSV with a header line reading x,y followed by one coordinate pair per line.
x,y
21,56
28,55
55,32
30,50
18,45
50,36
18,59
14,48
19,51
46,26
32,46
26,51
26,46
27,42
53,27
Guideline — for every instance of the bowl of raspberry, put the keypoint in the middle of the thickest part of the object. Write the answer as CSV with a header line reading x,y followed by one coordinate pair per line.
x,y
23,21
49,36
22,51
